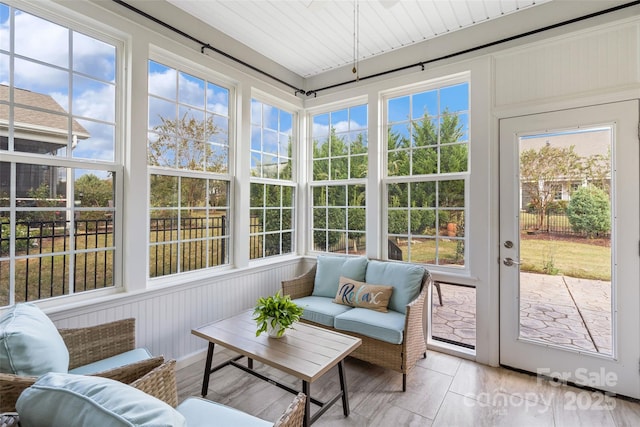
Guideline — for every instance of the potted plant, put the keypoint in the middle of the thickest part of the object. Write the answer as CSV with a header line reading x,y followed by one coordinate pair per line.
x,y
275,314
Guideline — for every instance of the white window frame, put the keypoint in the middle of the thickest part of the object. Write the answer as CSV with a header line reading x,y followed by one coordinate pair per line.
x,y
181,64
365,181
291,183
386,179
96,30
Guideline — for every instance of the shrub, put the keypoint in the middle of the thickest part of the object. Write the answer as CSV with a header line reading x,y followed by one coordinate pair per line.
x,y
589,211
21,243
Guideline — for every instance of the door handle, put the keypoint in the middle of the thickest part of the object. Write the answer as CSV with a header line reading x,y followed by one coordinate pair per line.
x,y
509,262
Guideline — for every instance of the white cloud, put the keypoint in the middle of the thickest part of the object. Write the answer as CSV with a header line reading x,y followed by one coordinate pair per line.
x,y
163,84
41,39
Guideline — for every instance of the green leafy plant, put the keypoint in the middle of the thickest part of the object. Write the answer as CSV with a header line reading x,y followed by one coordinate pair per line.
x,y
589,211
276,310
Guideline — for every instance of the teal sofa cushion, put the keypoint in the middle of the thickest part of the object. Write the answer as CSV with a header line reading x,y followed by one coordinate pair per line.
x,y
30,343
205,413
330,268
122,359
388,327
69,400
405,279
321,310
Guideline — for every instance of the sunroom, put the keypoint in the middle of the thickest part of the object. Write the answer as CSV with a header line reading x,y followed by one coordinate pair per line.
x,y
174,161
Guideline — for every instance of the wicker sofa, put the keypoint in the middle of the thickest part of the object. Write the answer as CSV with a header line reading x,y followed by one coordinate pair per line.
x,y
400,357
88,347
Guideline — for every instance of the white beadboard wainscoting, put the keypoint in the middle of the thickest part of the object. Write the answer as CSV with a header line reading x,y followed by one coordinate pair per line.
x,y
592,62
165,317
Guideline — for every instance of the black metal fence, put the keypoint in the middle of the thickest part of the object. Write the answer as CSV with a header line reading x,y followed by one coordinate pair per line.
x,y
203,242
43,250
553,223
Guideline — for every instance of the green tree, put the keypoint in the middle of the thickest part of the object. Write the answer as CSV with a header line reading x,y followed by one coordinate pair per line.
x,y
184,143
435,149
589,211
92,191
339,207
544,171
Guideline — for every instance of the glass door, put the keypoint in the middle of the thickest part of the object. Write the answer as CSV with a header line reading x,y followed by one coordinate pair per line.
x,y
569,264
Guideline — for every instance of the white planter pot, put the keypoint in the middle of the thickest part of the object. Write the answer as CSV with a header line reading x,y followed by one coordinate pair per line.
x,y
273,331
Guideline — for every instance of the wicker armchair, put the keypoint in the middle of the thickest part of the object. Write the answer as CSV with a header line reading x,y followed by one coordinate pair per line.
x,y
161,383
398,357
87,345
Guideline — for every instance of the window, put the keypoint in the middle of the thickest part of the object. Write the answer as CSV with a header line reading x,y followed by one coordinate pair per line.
x,y
272,186
60,167
338,183
426,175
188,158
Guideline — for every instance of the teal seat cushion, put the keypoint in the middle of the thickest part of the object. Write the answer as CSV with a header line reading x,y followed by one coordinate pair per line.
x,y
321,310
205,413
331,267
112,362
405,279
388,327
69,400
30,343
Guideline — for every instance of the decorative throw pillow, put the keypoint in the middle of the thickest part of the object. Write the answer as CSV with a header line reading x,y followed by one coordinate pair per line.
x,y
30,343
331,267
364,295
405,278
76,401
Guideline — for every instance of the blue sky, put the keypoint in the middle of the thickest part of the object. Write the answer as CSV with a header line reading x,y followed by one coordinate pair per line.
x,y
92,91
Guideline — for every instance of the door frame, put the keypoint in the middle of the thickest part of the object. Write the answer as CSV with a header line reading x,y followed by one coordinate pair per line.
x,y
582,368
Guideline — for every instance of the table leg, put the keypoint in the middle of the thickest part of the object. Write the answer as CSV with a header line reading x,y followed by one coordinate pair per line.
x,y
343,387
306,389
207,370
250,363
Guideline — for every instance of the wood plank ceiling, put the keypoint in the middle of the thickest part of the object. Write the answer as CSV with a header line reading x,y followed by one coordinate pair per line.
x,y
310,37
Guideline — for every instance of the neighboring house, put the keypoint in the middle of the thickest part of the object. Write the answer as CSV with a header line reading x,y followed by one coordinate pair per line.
x,y
586,144
41,131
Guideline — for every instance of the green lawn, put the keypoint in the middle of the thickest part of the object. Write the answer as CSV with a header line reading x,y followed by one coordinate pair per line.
x,y
580,258
569,258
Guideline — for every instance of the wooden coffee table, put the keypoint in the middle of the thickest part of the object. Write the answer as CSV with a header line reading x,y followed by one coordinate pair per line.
x,y
306,352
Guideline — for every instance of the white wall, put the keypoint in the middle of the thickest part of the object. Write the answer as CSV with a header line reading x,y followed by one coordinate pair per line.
x,y
589,65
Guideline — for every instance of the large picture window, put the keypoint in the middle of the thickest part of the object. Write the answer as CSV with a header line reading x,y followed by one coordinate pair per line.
x,y
272,186
188,158
338,183
60,168
427,175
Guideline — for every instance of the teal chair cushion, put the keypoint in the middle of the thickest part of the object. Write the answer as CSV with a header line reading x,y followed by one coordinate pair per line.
x,y
388,327
330,268
30,343
122,359
205,413
405,279
321,310
69,400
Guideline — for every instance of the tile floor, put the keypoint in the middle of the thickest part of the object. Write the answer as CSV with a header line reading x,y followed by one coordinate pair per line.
x,y
442,390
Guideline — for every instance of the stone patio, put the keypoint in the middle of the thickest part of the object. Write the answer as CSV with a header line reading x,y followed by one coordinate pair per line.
x,y
560,310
